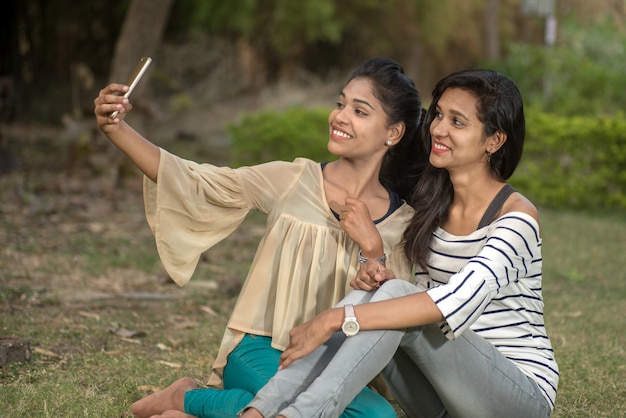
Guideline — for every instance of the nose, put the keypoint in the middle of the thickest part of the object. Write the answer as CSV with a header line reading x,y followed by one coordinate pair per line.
x,y
341,116
437,128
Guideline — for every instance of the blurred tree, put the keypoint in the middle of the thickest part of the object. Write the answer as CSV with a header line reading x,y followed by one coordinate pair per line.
x,y
585,68
271,39
492,35
141,35
9,66
52,37
430,37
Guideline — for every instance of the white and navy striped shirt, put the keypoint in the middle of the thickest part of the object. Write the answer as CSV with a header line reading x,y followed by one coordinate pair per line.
x,y
490,282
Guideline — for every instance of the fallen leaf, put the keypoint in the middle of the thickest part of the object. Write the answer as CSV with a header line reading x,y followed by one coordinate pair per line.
x,y
115,352
208,310
45,352
89,315
169,364
163,347
130,340
126,333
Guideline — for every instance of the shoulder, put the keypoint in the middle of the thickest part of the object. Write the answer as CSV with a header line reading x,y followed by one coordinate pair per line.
x,y
518,203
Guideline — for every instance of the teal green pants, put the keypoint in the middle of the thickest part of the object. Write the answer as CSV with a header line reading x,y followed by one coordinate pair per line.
x,y
250,365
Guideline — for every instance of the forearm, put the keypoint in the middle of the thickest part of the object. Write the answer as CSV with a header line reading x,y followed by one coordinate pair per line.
x,y
373,247
144,154
397,313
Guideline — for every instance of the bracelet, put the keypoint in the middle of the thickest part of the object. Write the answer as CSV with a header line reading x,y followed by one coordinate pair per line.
x,y
364,260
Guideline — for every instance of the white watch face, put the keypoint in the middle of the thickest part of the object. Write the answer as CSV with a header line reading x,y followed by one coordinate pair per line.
x,y
350,327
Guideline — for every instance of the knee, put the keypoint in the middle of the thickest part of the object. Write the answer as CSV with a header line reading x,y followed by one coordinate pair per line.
x,y
393,289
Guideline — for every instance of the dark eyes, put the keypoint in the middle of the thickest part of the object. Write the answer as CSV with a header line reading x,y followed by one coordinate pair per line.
x,y
358,111
455,121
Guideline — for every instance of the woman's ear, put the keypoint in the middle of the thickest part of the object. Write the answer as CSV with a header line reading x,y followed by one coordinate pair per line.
x,y
495,142
396,132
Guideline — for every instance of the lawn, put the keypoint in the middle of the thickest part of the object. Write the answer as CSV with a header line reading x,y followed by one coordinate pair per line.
x,y
80,279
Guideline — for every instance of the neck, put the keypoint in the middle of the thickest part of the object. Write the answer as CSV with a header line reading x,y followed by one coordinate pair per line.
x,y
472,191
357,180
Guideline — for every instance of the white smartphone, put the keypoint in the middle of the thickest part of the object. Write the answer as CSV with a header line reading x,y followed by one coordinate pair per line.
x,y
133,80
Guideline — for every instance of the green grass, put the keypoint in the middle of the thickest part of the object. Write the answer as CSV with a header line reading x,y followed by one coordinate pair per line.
x,y
82,369
585,297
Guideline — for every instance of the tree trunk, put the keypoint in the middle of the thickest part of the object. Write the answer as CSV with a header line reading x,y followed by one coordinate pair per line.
x,y
492,33
140,36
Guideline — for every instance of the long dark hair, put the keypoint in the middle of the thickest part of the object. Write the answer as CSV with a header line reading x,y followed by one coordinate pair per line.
x,y
404,162
500,108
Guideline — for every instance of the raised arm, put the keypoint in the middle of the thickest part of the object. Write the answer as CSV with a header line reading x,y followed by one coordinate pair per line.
x,y
142,152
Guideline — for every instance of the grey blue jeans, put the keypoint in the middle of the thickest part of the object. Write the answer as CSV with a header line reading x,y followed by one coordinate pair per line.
x,y
428,375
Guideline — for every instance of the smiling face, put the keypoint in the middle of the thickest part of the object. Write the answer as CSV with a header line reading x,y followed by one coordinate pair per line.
x,y
358,124
458,140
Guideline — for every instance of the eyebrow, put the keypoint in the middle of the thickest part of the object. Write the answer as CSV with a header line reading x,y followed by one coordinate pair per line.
x,y
361,101
456,113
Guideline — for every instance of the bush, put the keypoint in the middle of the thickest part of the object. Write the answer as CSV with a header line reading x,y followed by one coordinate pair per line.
x,y
575,162
272,135
581,75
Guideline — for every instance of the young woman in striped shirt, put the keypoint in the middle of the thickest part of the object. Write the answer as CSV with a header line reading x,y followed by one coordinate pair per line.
x,y
468,338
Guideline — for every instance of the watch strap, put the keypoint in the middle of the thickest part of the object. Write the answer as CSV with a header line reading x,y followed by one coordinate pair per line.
x,y
348,311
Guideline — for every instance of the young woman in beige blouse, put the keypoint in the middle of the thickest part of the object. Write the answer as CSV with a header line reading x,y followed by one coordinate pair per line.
x,y
319,226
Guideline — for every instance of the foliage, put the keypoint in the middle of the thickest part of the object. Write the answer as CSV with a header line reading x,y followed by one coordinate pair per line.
x,y
311,20
323,34
273,135
578,76
277,29
573,161
577,161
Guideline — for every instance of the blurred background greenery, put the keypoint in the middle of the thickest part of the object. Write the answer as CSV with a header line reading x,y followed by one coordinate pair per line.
x,y
567,56
243,81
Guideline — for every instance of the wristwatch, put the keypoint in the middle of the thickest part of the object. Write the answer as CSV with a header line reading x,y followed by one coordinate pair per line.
x,y
350,325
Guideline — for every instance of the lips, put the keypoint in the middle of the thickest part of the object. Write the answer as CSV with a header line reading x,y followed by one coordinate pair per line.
x,y
337,134
439,147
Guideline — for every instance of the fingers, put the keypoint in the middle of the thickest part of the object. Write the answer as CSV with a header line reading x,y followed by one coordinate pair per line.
x,y
110,104
385,275
365,279
353,205
371,276
115,89
288,357
294,350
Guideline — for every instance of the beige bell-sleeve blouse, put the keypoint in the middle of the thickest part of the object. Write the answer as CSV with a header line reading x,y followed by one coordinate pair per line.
x,y
305,260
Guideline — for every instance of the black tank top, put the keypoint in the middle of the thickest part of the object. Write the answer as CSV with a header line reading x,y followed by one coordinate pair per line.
x,y
496,205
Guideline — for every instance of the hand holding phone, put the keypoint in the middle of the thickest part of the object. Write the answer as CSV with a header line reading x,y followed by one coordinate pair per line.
x,y
134,78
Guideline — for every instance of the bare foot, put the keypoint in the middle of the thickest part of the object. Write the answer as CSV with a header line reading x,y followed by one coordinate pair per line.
x,y
251,413
254,413
173,414
172,398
